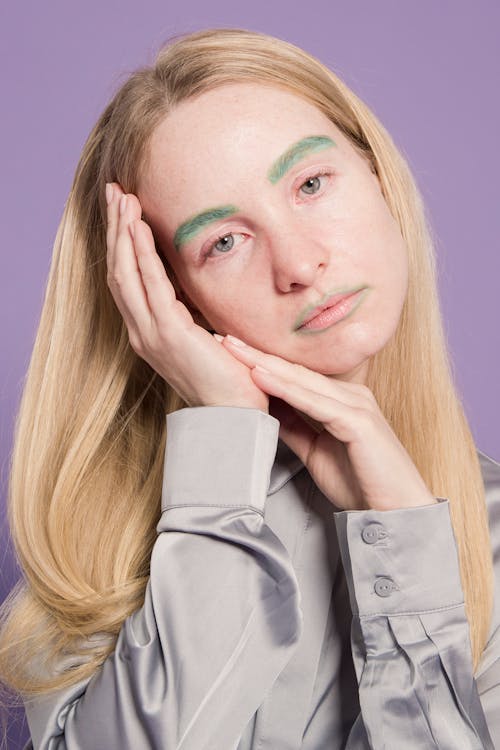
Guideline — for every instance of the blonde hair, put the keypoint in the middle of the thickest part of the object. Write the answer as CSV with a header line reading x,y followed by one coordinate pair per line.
x,y
86,472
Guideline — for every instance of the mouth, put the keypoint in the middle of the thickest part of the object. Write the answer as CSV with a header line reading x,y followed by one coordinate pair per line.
x,y
325,305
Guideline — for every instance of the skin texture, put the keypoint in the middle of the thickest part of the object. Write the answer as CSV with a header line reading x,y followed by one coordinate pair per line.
x,y
292,243
295,239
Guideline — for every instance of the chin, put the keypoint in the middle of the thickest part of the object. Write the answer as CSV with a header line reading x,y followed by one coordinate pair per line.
x,y
332,365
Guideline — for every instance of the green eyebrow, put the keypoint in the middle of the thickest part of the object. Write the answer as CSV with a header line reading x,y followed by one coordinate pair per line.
x,y
190,228
296,152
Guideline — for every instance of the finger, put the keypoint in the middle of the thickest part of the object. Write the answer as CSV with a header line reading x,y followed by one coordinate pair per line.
x,y
338,417
112,224
159,290
114,277
353,394
124,277
147,293
127,283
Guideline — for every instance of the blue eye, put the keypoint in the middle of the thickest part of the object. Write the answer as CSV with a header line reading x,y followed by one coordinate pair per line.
x,y
315,180
226,241
224,247
227,247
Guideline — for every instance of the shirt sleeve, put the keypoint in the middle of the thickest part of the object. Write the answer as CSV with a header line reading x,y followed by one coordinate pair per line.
x,y
488,671
409,634
221,615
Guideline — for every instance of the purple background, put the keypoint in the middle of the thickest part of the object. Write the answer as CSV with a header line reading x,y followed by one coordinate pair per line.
x,y
429,71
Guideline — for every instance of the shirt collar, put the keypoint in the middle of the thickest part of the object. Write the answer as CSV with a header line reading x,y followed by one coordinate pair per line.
x,y
286,465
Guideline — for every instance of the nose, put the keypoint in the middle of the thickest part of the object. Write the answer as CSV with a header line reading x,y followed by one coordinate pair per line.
x,y
298,255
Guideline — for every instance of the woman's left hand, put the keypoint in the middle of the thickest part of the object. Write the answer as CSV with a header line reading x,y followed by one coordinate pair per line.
x,y
356,459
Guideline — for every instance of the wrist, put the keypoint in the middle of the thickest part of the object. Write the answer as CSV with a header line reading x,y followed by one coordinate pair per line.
x,y
401,504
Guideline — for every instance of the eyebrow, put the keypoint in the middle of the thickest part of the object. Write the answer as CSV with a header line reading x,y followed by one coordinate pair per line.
x,y
294,153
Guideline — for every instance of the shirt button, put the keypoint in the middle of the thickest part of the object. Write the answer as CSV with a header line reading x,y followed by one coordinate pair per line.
x,y
384,586
373,532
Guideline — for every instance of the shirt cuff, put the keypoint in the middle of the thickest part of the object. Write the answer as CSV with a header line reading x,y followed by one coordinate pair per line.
x,y
219,455
400,561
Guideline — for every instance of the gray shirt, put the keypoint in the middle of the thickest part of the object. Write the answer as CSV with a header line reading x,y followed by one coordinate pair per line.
x,y
273,620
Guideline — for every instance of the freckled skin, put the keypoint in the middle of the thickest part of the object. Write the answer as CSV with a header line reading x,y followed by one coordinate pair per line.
x,y
290,245
192,226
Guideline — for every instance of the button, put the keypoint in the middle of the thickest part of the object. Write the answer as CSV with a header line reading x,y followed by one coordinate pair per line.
x,y
373,532
384,586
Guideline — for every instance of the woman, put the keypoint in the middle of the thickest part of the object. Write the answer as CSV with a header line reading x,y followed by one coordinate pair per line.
x,y
299,556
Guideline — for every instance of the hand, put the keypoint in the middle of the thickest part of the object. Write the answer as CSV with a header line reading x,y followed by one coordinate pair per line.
x,y
161,328
354,455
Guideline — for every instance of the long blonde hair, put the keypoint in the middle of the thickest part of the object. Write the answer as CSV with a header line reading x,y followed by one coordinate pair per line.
x,y
86,472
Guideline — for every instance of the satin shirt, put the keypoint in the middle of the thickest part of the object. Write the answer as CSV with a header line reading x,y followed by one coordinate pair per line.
x,y
273,620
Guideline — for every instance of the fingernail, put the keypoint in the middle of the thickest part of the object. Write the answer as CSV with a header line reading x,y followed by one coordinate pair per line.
x,y
218,336
109,193
123,204
261,369
234,340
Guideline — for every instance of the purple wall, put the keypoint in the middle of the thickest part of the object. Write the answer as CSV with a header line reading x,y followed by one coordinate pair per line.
x,y
429,70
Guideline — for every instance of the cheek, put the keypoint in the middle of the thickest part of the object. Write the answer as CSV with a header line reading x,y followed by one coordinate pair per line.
x,y
228,301
242,317
219,306
390,254
398,265
393,286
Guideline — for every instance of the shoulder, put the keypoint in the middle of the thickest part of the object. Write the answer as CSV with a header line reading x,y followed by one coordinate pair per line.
x,y
490,469
491,472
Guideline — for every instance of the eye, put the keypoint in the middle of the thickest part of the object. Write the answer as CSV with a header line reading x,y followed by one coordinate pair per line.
x,y
313,182
224,244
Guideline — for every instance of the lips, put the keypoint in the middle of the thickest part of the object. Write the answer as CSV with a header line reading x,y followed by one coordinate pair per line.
x,y
330,302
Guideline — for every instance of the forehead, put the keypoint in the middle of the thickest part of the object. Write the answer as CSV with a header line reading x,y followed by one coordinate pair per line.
x,y
217,147
266,101
231,122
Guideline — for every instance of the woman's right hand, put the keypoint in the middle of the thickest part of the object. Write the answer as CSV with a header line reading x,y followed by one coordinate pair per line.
x,y
161,329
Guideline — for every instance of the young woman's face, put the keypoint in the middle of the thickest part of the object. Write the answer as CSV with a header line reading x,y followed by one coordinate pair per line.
x,y
291,236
